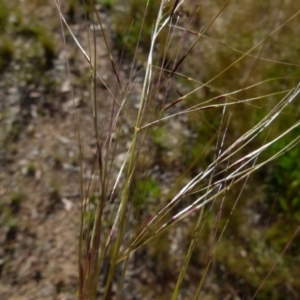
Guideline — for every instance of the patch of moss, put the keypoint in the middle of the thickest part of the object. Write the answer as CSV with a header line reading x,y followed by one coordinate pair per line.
x,y
145,189
16,200
133,27
41,37
7,50
4,15
54,195
108,4
14,132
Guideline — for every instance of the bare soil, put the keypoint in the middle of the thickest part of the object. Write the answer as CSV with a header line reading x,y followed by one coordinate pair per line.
x,y
39,174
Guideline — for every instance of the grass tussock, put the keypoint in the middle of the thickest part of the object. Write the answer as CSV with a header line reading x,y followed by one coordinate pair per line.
x,y
196,136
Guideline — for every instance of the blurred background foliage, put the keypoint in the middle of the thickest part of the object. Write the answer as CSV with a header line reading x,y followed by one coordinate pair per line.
x,y
24,29
268,211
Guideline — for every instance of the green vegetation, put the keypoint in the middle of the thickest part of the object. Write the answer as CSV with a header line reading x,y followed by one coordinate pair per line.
x,y
284,181
139,25
213,88
16,200
108,4
6,51
186,197
17,33
54,194
8,211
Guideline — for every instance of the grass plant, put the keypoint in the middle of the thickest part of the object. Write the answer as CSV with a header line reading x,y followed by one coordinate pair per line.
x,y
221,111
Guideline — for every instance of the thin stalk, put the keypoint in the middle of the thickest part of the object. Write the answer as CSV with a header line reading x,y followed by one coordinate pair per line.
x,y
188,257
